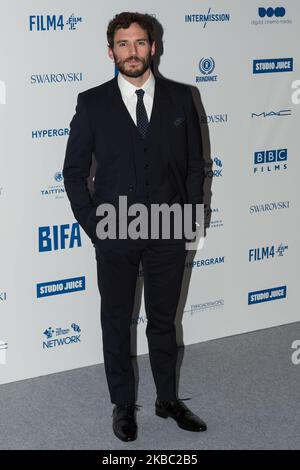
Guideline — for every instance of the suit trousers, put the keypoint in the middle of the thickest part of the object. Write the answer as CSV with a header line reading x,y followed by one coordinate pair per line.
x,y
163,264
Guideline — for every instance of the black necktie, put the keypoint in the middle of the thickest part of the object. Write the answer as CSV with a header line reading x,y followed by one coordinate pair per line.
x,y
141,114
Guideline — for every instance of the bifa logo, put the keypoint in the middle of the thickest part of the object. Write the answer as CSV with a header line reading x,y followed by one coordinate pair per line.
x,y
59,237
52,22
2,92
3,349
266,252
270,160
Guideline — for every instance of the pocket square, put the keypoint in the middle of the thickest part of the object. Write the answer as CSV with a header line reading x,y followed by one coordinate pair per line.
x,y
178,121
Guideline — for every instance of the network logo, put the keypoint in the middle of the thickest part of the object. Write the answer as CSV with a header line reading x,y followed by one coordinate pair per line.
x,y
278,12
2,296
2,92
3,349
61,336
267,295
280,113
53,22
217,171
273,65
206,67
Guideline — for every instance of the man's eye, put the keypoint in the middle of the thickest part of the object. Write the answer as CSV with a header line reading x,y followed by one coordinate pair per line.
x,y
142,43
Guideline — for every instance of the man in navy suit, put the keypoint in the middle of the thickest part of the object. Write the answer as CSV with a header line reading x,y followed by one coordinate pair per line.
x,y
145,135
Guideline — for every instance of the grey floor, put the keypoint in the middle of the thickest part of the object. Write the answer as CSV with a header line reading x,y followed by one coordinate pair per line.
x,y
245,387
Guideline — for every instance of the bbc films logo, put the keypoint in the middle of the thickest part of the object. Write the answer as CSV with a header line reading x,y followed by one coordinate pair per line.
x,y
3,352
53,22
2,92
266,161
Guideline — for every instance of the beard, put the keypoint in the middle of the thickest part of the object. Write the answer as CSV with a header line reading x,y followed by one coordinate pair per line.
x,y
138,70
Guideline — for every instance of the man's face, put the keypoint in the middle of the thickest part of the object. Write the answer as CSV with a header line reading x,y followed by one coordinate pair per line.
x,y
132,51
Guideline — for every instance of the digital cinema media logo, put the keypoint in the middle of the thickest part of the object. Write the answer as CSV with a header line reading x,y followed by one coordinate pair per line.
x,y
62,286
56,337
266,161
53,22
59,237
272,65
270,16
267,295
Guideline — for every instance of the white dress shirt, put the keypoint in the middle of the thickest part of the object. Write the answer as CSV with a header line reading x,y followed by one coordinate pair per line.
x,y
130,98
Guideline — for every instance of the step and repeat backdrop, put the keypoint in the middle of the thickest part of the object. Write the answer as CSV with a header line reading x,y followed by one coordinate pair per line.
x,y
243,56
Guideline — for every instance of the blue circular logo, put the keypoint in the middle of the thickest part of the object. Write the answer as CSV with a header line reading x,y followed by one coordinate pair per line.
x,y
206,65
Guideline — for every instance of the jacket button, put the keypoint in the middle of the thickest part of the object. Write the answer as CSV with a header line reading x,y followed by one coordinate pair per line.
x,y
130,187
147,165
145,149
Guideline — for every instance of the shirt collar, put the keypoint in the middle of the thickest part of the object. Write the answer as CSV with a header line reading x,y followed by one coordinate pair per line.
x,y
128,89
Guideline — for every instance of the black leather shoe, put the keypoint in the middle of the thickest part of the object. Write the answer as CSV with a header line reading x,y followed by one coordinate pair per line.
x,y
181,413
124,422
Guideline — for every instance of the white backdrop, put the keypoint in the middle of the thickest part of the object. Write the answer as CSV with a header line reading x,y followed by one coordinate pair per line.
x,y
251,244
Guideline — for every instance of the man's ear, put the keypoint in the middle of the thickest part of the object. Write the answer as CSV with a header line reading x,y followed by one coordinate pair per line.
x,y
153,48
110,53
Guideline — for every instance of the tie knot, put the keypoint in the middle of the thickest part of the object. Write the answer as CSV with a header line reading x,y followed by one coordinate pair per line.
x,y
140,93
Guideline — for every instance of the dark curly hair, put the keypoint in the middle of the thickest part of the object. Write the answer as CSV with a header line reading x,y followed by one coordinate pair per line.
x,y
124,20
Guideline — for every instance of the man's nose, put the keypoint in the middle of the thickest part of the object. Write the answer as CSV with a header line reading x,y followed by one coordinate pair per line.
x,y
132,49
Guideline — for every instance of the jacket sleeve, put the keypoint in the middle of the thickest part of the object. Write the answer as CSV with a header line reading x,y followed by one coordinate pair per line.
x,y
77,164
196,163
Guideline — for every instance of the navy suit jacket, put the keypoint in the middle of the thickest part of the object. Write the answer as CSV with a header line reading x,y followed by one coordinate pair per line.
x,y
100,127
